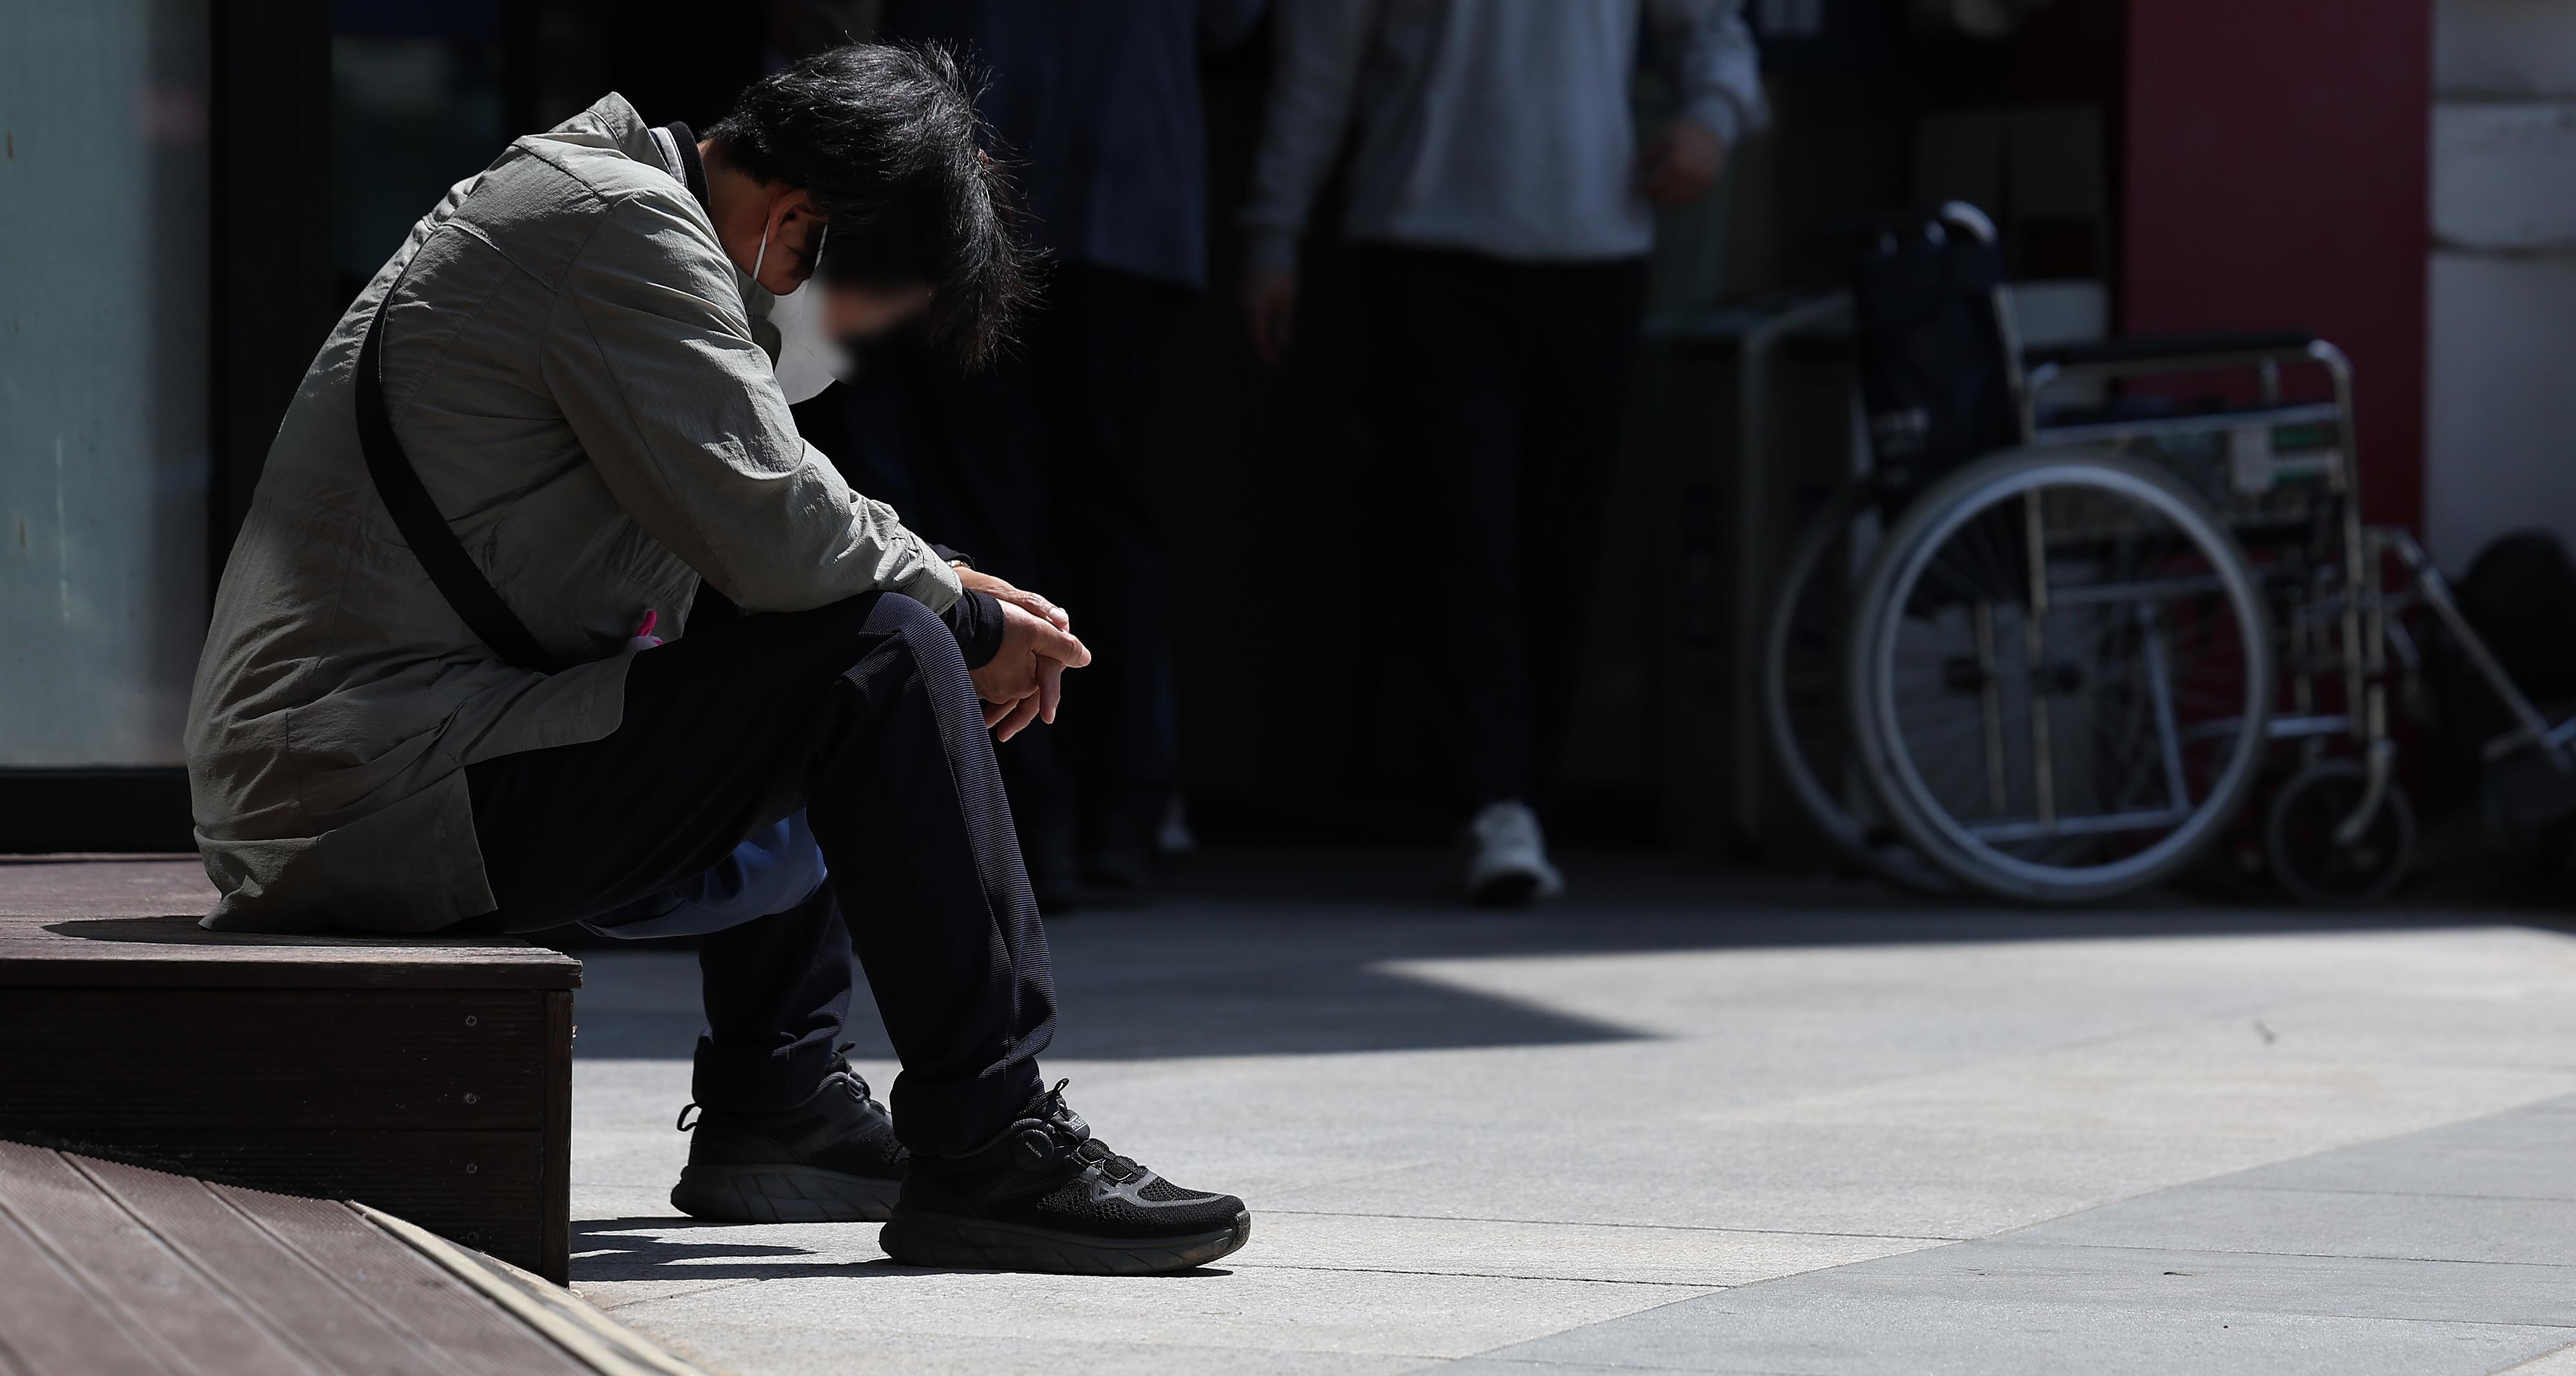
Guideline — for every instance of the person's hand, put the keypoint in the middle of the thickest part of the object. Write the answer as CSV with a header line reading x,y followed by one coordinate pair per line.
x,y
976,580
1682,164
1025,678
1270,306
1050,681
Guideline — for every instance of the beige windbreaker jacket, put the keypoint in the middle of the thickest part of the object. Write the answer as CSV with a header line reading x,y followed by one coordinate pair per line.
x,y
569,361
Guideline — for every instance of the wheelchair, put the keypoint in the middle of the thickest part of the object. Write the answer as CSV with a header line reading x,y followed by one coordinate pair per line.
x,y
2058,639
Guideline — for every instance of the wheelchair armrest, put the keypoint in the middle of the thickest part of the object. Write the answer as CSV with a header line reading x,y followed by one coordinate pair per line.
x,y
2158,347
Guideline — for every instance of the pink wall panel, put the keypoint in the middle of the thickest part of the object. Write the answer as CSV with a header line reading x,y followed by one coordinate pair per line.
x,y
2276,165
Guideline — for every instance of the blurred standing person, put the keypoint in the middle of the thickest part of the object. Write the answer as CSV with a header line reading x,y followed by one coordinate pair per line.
x,y
1503,212
1036,467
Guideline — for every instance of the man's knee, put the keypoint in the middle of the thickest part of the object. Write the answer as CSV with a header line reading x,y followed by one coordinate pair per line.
x,y
925,639
872,617
893,612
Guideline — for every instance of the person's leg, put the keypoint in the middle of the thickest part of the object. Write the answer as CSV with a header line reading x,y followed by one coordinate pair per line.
x,y
777,994
763,914
1589,318
786,1131
728,731
863,713
1102,352
967,1003
907,801
1450,393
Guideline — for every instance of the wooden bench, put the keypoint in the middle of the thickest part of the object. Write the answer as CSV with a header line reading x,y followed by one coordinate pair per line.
x,y
428,1077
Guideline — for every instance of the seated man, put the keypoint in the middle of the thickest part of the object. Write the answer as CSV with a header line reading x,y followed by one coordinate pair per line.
x,y
423,702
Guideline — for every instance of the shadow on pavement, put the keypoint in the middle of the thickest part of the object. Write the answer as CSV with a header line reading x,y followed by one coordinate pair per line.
x,y
666,1249
1299,952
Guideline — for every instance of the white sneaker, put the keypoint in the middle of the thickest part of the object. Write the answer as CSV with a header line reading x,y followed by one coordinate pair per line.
x,y
1507,858
1174,838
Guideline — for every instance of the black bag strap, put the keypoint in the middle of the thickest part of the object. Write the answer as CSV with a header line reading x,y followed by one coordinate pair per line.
x,y
431,539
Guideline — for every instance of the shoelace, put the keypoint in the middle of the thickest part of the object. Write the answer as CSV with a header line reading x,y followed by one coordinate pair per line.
x,y
841,1066
1084,1147
857,1087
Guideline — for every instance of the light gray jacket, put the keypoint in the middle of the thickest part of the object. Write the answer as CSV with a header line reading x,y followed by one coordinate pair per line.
x,y
1499,126
570,363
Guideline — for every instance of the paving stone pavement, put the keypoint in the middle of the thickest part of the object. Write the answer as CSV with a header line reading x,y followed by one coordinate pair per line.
x,y
1697,1124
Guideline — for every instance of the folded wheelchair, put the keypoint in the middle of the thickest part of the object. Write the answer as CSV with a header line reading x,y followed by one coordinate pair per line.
x,y
2062,634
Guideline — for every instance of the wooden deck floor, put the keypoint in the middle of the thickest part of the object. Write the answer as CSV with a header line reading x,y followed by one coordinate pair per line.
x,y
113,1269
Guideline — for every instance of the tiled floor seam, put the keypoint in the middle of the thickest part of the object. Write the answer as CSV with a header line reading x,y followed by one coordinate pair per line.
x,y
2400,1194
1483,1354
603,1302
2556,1360
2259,1252
1650,1227
1704,1286
2212,1181
1430,1360
1540,1368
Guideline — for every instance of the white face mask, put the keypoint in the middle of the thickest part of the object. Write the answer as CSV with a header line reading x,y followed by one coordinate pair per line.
x,y
808,359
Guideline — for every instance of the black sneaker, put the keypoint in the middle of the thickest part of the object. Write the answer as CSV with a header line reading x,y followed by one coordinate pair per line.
x,y
831,1159
1048,1196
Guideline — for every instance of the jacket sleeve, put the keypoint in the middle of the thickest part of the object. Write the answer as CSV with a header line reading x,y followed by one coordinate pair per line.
x,y
976,621
1317,47
1719,69
649,353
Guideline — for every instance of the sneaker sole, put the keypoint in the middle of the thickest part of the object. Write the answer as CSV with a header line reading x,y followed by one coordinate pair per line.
x,y
927,1239
783,1194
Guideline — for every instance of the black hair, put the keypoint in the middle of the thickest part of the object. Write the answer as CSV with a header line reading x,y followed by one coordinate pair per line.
x,y
888,142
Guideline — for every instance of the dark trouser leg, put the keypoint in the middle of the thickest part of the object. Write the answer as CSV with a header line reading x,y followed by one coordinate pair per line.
x,y
1588,318
862,713
1102,340
975,450
909,808
1452,392
777,993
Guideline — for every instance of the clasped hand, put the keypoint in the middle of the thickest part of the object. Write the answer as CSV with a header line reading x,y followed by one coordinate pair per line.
x,y
1024,680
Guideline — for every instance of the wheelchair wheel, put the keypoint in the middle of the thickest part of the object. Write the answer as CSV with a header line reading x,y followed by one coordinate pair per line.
x,y
2299,838
2060,675
1802,694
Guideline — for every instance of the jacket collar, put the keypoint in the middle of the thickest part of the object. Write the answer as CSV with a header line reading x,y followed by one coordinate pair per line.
x,y
616,118
678,147
612,121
